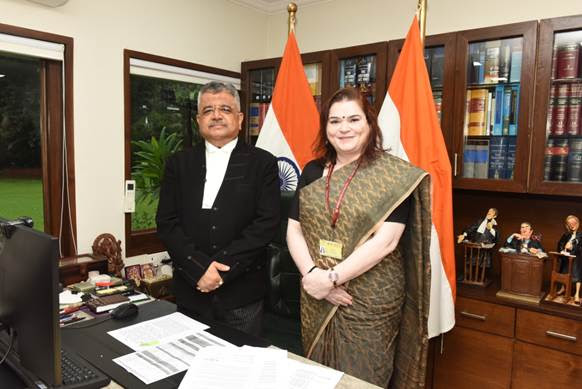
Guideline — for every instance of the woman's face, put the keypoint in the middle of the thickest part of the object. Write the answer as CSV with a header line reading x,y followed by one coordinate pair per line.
x,y
347,128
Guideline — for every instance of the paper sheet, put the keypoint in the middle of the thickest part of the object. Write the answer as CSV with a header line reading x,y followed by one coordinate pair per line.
x,y
165,360
157,331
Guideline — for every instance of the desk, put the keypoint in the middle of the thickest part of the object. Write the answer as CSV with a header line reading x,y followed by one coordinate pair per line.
x,y
95,345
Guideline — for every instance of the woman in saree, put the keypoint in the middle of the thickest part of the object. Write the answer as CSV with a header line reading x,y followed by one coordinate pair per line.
x,y
359,233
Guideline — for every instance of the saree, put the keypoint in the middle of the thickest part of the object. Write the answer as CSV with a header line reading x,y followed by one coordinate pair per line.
x,y
382,337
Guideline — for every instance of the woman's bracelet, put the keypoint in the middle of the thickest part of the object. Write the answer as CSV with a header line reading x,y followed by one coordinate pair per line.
x,y
310,270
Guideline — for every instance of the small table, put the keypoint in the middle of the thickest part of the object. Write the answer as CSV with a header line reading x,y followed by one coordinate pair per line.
x,y
562,278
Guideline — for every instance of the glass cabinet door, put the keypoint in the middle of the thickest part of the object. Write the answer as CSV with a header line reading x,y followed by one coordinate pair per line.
x,y
359,72
491,122
493,103
557,146
363,67
434,58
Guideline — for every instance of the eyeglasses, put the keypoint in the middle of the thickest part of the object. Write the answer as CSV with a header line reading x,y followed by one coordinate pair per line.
x,y
222,109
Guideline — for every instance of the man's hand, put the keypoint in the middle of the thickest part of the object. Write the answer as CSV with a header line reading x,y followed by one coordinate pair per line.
x,y
460,238
211,280
517,236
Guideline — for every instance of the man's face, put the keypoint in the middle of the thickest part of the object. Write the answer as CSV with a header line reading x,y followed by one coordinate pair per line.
x,y
218,118
491,214
525,231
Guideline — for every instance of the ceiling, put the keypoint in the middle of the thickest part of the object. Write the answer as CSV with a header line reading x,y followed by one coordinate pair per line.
x,y
274,6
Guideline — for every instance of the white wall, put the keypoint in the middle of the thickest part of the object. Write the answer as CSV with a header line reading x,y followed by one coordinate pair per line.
x,y
215,33
209,32
342,23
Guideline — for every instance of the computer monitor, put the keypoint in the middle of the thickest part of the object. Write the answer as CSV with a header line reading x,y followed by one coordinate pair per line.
x,y
29,302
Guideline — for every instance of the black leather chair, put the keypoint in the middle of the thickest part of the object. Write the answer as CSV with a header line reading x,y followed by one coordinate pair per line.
x,y
281,324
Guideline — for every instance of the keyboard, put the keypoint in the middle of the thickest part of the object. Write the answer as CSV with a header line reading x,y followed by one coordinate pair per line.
x,y
79,374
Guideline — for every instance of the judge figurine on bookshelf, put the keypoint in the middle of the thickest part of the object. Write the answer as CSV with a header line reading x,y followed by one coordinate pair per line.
x,y
571,243
483,231
524,241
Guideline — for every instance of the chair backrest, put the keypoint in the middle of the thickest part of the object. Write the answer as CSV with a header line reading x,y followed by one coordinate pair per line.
x,y
284,277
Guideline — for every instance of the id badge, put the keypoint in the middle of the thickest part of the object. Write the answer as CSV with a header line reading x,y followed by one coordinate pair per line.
x,y
331,249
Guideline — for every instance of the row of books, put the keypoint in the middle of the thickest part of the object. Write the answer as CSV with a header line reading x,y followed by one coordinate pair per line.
x,y
492,158
566,60
492,111
563,159
497,61
434,57
565,109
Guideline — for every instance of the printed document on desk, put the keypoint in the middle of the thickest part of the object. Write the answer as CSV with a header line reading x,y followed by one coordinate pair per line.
x,y
255,368
157,331
170,358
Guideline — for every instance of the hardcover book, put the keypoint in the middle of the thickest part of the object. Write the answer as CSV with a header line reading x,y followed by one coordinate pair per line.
x,y
477,111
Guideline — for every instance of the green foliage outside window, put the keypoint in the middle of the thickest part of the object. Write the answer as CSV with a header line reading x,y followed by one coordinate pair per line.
x,y
163,114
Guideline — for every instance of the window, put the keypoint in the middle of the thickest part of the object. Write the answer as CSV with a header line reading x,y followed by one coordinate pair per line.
x,y
160,119
36,131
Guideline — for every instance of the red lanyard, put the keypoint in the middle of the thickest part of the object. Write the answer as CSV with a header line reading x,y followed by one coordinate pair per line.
x,y
336,211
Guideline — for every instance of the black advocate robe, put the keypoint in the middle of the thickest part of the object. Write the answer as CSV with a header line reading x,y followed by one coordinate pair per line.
x,y
242,222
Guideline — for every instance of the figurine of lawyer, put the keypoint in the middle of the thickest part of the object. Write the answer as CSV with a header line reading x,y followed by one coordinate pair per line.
x,y
483,231
571,243
525,242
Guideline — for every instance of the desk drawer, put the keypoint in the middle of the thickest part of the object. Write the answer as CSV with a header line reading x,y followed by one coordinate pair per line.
x,y
550,331
479,315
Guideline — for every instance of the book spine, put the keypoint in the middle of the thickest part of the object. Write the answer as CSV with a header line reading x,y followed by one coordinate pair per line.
x,y
575,160
487,129
498,122
567,62
497,157
492,49
481,158
559,160
477,111
510,162
551,109
574,109
554,63
560,109
506,110
513,117
515,70
504,62
467,114
548,156
482,55
254,119
469,160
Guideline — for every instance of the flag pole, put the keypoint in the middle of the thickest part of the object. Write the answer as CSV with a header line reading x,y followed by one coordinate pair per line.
x,y
292,9
421,12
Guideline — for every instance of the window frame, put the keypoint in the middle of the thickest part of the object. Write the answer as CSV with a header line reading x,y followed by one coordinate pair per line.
x,y
57,126
146,241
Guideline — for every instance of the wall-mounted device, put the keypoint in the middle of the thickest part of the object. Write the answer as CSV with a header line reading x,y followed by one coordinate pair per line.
x,y
129,197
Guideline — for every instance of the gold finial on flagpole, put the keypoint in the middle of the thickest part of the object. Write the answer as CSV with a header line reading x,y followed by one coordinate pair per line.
x,y
292,9
421,12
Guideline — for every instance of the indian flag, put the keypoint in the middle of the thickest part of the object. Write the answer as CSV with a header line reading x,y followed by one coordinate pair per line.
x,y
412,132
292,121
